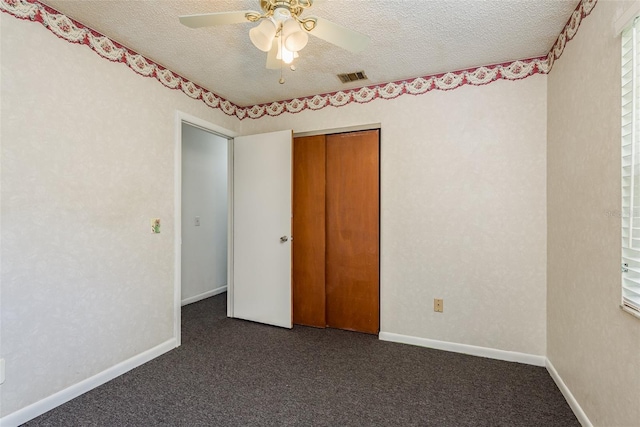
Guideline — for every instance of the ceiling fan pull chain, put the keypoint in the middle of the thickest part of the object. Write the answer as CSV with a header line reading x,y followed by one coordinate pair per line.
x,y
281,81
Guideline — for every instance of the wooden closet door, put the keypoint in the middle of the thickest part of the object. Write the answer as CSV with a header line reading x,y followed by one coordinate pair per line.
x,y
353,231
309,231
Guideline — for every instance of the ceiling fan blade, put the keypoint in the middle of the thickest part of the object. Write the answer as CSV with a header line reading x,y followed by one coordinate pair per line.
x,y
273,63
219,18
340,36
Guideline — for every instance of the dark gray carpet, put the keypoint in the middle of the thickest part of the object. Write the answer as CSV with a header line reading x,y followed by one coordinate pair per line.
x,y
235,373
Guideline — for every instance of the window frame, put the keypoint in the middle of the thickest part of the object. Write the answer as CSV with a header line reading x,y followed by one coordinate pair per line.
x,y
630,168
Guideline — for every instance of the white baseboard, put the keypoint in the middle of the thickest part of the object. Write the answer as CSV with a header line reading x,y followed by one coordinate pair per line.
x,y
27,413
571,400
204,295
491,353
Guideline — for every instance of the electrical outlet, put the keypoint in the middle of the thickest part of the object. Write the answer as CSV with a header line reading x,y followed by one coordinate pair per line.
x,y
438,305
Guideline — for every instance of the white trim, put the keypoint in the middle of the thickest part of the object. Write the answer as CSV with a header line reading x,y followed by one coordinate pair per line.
x,y
27,413
571,400
382,297
626,18
204,295
355,128
630,311
230,278
491,353
177,227
204,125
181,118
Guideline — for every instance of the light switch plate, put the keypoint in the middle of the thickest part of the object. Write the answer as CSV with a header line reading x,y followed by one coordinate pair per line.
x,y
197,221
155,225
438,305
1,371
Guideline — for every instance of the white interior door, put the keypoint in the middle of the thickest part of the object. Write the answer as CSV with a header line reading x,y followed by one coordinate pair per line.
x,y
262,228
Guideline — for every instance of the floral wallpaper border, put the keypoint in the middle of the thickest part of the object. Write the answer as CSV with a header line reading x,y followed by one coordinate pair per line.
x,y
74,32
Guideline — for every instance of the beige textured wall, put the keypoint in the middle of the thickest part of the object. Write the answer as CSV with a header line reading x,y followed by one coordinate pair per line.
x,y
463,193
87,158
593,344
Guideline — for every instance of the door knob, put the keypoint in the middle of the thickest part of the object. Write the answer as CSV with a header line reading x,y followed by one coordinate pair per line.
x,y
284,239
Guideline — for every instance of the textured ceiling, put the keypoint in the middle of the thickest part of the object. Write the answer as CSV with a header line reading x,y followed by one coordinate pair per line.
x,y
408,39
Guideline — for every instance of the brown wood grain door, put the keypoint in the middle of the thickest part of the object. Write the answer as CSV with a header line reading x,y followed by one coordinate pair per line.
x,y
353,231
309,159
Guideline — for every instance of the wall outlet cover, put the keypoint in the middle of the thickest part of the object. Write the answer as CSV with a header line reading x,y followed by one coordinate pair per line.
x,y
155,225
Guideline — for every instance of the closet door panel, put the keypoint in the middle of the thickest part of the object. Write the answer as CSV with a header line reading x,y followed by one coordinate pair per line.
x,y
353,231
309,231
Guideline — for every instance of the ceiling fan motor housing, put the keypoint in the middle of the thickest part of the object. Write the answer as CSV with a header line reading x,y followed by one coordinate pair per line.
x,y
283,9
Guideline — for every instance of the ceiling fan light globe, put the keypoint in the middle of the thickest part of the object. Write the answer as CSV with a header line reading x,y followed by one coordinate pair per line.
x,y
294,37
296,41
262,35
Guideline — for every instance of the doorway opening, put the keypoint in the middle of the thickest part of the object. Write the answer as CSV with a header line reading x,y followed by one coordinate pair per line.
x,y
204,214
202,188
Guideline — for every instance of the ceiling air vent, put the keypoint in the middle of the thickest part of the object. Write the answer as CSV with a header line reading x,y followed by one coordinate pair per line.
x,y
352,77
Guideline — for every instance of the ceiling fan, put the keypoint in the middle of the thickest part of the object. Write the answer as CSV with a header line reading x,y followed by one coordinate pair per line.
x,y
283,32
